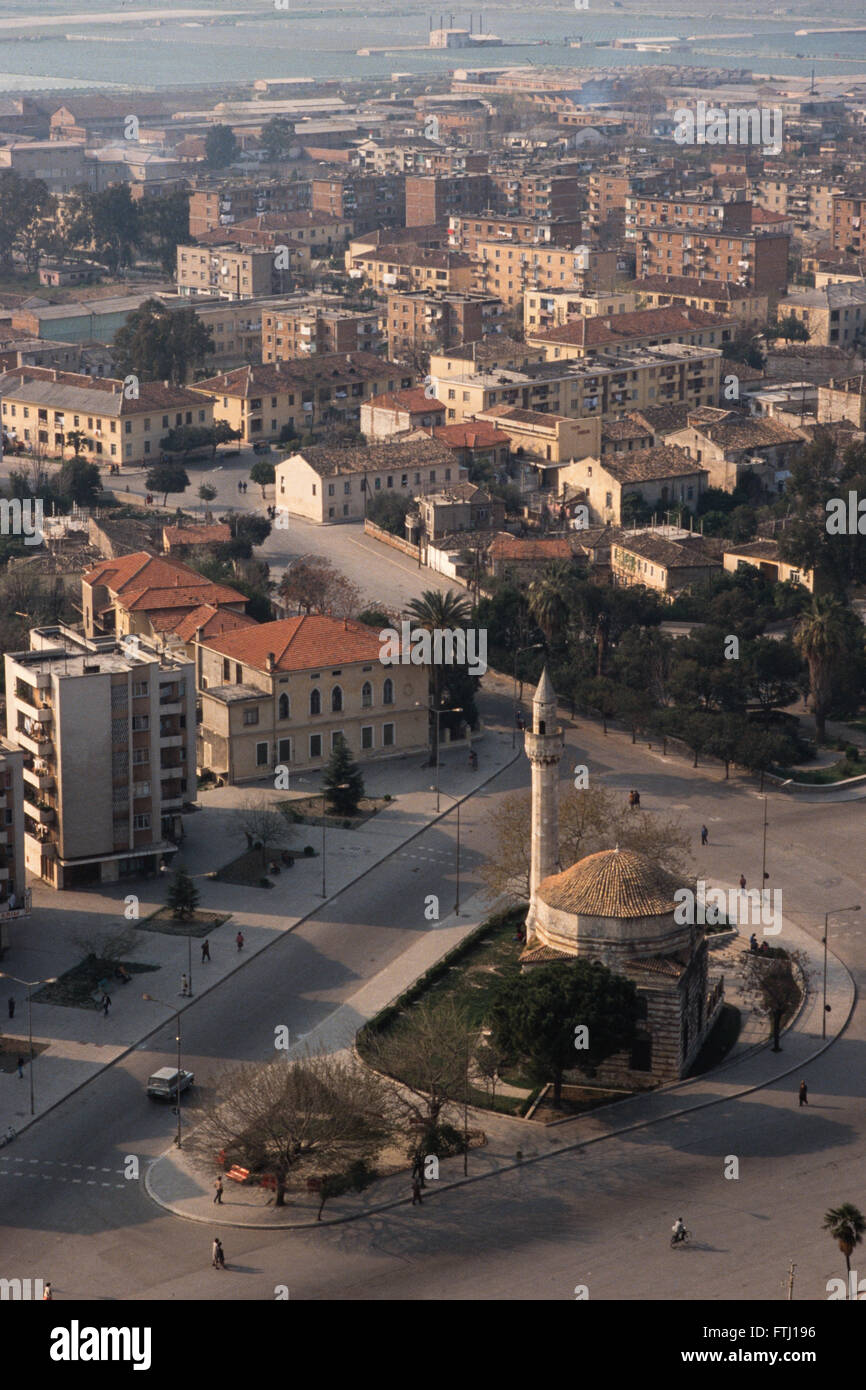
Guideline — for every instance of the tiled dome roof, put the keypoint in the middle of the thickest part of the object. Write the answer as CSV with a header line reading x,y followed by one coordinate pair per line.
x,y
612,883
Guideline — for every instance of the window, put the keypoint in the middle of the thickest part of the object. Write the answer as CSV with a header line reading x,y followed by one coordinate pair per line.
x,y
366,695
337,738
336,700
285,750
141,755
387,735
315,745
262,754
315,702
141,822
227,669
251,716
140,723
388,692
139,688
366,735
283,707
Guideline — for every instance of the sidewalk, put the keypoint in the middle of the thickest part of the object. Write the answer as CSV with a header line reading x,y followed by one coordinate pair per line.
x,y
185,1188
80,1042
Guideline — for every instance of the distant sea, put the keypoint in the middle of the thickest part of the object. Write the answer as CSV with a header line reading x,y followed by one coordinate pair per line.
x,y
297,42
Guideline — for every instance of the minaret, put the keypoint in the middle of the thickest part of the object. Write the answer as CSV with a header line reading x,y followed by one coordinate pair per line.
x,y
544,749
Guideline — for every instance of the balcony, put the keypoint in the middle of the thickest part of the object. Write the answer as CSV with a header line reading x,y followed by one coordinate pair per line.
x,y
25,693
36,777
172,740
176,770
171,706
39,812
35,741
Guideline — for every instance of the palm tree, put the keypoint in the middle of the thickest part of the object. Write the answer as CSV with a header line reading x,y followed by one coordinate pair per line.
x,y
821,640
432,611
548,601
847,1226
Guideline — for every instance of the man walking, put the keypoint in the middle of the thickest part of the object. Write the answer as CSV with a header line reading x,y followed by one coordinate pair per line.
x,y
804,1093
705,835
218,1194
106,1005
742,883
240,940
219,1259
21,1068
205,951
417,1200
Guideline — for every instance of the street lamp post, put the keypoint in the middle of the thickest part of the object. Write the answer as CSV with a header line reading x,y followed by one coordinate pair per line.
x,y
835,911
456,801
764,842
533,646
29,984
457,709
152,999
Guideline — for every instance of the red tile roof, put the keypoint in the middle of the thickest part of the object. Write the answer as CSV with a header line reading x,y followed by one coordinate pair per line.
x,y
470,434
301,644
213,622
603,330
413,400
216,534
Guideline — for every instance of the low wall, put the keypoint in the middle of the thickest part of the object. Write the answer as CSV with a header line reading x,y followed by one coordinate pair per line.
x,y
387,538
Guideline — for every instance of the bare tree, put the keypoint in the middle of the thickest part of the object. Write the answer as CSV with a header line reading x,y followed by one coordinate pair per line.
x,y
771,984
264,824
290,1120
106,945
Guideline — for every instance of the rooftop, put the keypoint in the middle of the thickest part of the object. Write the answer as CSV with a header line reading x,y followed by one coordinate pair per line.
x,y
612,883
300,644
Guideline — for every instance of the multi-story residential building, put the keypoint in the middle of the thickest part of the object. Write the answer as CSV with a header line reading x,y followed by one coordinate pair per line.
x,y
848,228
424,321
764,556
333,485
285,693
434,197
228,201
410,267
147,596
264,399
713,296
541,437
469,232
395,412
668,563
301,331
835,316
541,195
662,477
121,421
843,399
62,165
730,446
583,337
110,733
320,232
234,272
603,386
14,894
363,200
757,260
510,271
541,311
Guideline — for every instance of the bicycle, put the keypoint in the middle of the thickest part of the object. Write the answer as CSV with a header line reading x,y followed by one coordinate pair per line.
x,y
681,1238
8,1137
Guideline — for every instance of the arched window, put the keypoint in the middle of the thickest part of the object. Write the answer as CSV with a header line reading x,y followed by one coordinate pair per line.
x,y
366,695
336,699
315,702
283,707
388,692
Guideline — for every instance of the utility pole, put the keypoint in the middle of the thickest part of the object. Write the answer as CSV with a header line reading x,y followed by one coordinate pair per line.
x,y
790,1281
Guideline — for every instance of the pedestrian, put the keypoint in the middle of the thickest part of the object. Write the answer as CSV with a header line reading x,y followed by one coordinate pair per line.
x,y
21,1068
47,1295
106,1005
705,835
218,1194
804,1093
219,1254
11,1005
205,951
742,883
753,943
417,1199
240,940
637,799
631,800
184,985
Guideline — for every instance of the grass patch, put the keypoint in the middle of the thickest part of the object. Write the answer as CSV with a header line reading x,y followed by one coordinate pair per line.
x,y
13,1048
824,776
726,1030
307,810
199,924
76,988
249,872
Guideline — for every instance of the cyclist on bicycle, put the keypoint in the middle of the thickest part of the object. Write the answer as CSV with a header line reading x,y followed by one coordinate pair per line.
x,y
678,1229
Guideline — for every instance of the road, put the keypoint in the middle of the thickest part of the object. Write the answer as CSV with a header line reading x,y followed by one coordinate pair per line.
x,y
600,1218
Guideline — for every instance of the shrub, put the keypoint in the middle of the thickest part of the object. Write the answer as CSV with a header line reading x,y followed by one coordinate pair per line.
x,y
265,883
852,752
309,852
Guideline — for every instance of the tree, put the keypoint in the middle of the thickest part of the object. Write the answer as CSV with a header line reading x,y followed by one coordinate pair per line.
x,y
696,731
277,137
291,1120
727,735
770,983
161,344
792,329
220,147
601,694
426,1053
182,895
536,1016
207,492
115,222
166,478
847,1226
80,480
23,205
548,602
164,225
263,473
342,780
389,510
76,440
821,639
313,585
773,672
264,824
223,433
185,440
435,611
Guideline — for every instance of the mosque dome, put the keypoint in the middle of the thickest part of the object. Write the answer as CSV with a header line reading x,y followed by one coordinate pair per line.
x,y
617,883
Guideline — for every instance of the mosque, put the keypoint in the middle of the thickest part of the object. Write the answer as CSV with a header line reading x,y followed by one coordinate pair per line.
x,y
616,907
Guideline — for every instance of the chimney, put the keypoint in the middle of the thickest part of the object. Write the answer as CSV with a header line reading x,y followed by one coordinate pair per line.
x,y
271,662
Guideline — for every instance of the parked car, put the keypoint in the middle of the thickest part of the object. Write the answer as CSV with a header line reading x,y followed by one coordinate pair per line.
x,y
163,1084
261,446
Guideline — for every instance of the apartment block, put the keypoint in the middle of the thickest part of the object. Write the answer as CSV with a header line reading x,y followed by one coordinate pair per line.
x,y
849,221
364,200
470,232
420,320
834,316
109,734
120,423
691,292
541,195
543,311
511,271
754,260
332,485
583,337
14,893
434,197
409,267
231,201
303,331
232,272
